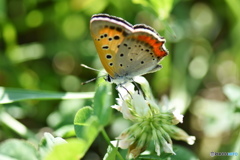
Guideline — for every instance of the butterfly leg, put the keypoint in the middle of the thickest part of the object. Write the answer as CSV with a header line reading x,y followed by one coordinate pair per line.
x,y
139,89
120,85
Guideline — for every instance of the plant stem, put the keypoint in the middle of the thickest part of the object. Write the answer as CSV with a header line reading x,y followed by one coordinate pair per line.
x,y
109,143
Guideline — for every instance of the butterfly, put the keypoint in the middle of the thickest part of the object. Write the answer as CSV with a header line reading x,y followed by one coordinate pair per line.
x,y
125,50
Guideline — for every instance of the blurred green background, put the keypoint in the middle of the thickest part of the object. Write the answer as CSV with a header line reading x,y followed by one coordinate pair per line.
x,y
43,43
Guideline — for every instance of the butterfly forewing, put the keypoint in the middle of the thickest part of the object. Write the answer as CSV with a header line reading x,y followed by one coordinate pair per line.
x,y
108,34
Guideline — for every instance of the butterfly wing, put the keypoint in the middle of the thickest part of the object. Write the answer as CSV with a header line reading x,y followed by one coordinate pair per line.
x,y
108,32
125,50
140,52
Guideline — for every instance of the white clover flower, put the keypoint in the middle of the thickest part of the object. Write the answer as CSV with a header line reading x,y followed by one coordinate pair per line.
x,y
124,109
177,117
191,140
152,122
140,105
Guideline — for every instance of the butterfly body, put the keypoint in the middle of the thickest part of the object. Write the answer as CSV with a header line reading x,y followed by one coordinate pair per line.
x,y
126,51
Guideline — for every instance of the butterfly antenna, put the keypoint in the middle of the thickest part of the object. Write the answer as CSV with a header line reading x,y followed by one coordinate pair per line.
x,y
85,66
92,80
83,83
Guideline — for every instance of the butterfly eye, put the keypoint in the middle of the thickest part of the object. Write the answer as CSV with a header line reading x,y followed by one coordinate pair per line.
x,y
108,78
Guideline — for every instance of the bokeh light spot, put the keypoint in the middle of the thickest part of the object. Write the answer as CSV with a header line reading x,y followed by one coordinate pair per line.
x,y
9,33
34,18
74,26
202,18
26,52
89,6
198,67
71,83
61,7
64,63
227,72
118,126
29,79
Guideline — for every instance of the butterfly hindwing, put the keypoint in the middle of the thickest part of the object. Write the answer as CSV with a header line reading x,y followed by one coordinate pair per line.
x,y
140,53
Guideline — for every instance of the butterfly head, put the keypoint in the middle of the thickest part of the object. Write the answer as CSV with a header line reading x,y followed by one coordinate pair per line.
x,y
108,78
120,80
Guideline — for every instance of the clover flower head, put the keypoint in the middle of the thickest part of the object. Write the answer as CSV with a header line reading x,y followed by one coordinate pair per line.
x,y
151,122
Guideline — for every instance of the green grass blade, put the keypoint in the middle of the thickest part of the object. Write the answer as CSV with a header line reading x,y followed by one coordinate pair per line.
x,y
15,125
9,95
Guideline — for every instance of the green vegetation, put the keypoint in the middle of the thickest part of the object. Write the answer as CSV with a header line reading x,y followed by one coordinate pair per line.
x,y
43,43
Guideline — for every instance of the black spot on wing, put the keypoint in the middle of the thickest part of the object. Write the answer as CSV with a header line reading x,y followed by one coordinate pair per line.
x,y
119,29
112,27
108,56
105,47
116,37
125,33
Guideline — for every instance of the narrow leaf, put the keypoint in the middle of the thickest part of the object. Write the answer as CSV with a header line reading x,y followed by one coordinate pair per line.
x,y
9,95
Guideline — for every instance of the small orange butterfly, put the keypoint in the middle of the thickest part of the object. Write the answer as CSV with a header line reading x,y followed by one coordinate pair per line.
x,y
126,51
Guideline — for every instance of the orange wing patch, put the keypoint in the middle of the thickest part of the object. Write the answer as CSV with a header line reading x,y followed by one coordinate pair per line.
x,y
107,42
157,45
